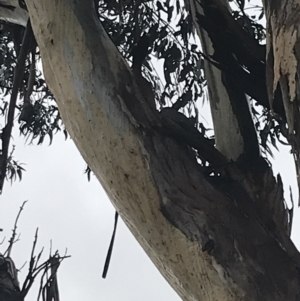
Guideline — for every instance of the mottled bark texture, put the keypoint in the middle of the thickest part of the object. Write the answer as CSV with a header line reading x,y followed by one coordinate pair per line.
x,y
230,135
239,61
13,11
221,237
283,58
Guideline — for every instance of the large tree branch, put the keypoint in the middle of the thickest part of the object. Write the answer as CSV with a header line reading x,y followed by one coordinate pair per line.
x,y
233,125
283,61
204,235
237,65
238,53
13,11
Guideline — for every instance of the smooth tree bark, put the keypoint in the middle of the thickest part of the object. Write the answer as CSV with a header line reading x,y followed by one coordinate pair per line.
x,y
219,236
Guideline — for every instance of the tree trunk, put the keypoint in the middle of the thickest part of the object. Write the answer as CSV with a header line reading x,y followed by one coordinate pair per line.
x,y
218,237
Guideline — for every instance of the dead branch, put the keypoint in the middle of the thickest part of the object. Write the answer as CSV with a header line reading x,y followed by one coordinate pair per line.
x,y
13,239
49,287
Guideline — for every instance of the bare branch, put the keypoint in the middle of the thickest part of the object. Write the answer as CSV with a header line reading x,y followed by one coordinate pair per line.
x,y
52,264
13,239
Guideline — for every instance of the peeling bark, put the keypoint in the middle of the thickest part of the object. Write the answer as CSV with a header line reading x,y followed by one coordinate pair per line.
x,y
228,137
229,50
10,11
283,58
208,236
234,129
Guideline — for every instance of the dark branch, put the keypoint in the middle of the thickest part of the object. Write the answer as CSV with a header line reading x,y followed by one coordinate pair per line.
x,y
14,232
18,75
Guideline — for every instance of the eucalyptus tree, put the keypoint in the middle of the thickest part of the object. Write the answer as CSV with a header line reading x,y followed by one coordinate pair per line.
x,y
207,209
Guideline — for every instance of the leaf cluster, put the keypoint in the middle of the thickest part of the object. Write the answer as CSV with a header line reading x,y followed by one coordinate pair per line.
x,y
170,33
271,127
40,117
35,108
174,45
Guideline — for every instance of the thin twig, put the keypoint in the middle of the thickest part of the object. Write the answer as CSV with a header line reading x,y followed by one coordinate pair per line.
x,y
29,280
3,240
13,239
23,265
35,269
